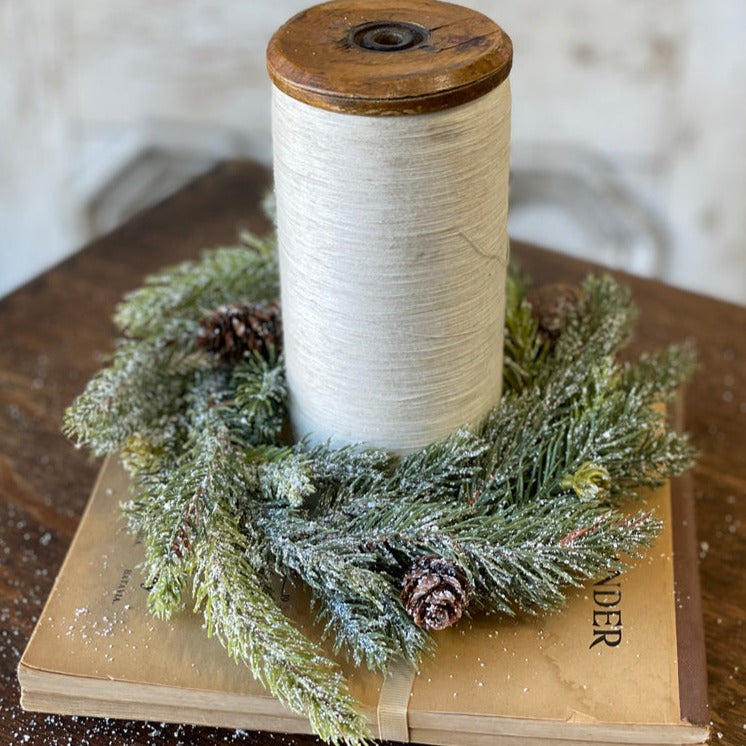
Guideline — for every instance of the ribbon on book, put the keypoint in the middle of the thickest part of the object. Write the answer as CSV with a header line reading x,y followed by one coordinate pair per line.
x,y
393,702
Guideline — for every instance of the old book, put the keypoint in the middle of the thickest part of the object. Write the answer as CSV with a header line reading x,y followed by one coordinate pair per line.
x,y
623,663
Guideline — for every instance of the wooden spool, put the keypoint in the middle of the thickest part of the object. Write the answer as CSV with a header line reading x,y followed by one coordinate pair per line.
x,y
388,58
347,279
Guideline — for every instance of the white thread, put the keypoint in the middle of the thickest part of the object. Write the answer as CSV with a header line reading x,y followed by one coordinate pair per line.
x,y
393,249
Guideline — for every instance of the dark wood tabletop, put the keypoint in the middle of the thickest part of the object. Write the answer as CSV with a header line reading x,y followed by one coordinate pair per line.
x,y
54,330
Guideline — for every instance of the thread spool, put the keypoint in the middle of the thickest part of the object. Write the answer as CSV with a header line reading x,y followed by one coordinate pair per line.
x,y
391,127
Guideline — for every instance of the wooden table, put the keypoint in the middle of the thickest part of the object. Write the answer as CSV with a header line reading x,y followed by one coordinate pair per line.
x,y
54,330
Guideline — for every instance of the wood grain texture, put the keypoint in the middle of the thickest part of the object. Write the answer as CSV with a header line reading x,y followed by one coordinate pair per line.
x,y
314,57
55,329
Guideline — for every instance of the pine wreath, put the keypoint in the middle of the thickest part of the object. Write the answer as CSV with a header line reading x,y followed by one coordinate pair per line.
x,y
502,518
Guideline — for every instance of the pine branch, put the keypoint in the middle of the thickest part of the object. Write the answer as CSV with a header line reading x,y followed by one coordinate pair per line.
x,y
242,615
658,376
518,556
524,351
201,533
441,470
599,327
141,392
359,604
524,568
287,480
175,493
260,398
164,521
182,294
152,369
582,408
340,474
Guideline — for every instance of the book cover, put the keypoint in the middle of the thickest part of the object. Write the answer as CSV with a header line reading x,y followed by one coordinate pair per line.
x,y
622,663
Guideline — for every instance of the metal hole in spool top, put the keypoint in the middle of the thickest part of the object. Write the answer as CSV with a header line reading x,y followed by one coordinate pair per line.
x,y
388,36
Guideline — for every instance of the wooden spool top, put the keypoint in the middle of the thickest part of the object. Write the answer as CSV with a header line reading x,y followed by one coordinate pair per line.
x,y
390,57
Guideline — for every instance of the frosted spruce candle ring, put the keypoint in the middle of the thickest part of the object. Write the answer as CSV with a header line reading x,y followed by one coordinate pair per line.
x,y
391,131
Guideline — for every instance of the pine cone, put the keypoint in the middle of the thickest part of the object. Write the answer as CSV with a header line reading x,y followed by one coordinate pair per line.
x,y
232,332
551,305
435,593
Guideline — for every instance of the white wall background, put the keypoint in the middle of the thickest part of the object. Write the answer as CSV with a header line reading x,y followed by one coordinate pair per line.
x,y
106,106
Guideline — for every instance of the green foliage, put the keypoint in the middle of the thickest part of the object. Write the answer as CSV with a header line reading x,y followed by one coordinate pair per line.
x,y
525,353
288,480
246,620
154,366
531,501
170,304
260,394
